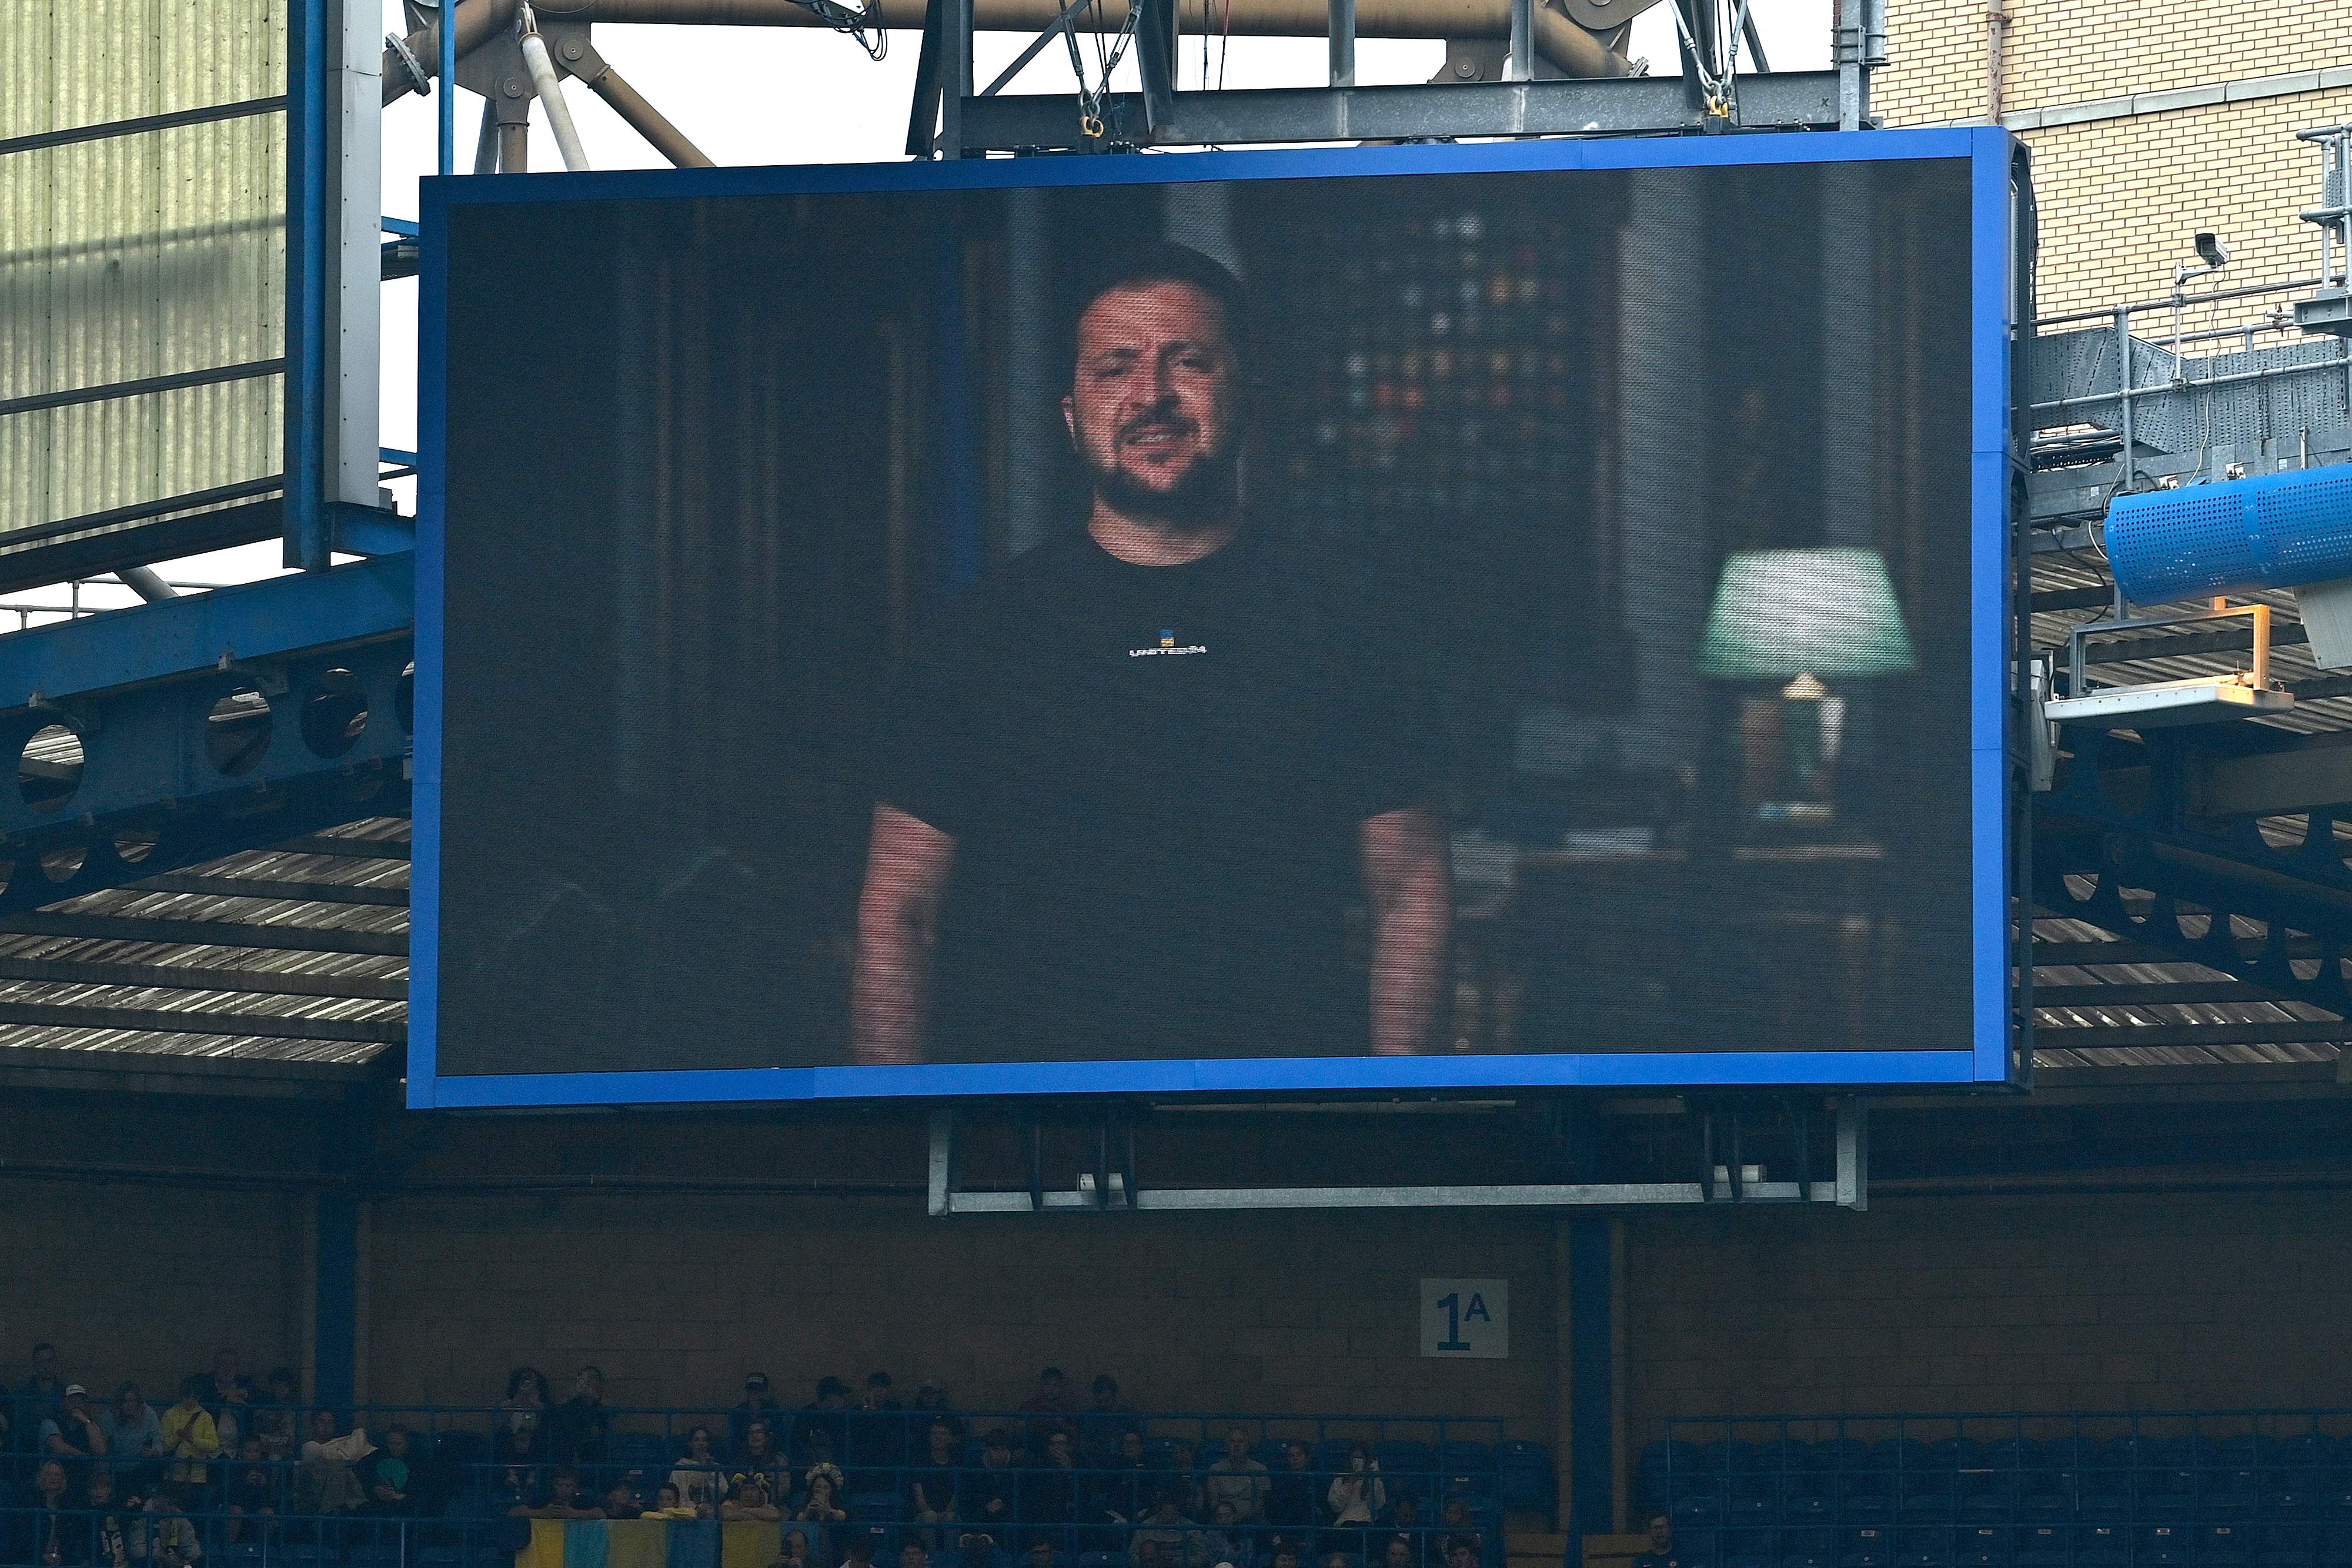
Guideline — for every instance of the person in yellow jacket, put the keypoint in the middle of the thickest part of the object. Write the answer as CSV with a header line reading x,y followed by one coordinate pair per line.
x,y
189,1436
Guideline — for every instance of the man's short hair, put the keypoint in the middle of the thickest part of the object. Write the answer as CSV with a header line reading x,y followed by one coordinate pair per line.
x,y
1169,262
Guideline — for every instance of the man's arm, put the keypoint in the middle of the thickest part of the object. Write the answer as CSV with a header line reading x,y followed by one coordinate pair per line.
x,y
907,865
1409,889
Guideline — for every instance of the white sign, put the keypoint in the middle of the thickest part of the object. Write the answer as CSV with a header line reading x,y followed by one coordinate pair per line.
x,y
1466,1318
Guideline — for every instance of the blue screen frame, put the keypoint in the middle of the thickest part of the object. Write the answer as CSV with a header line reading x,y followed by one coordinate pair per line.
x,y
1986,1062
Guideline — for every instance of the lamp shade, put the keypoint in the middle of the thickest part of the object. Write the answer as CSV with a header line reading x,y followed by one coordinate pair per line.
x,y
1823,611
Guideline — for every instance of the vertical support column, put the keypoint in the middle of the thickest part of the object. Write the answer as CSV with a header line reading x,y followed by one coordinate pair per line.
x,y
1591,1379
955,75
1521,62
1848,44
334,207
335,1298
1342,14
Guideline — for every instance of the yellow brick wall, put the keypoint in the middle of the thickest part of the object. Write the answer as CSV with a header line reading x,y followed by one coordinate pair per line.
x,y
2068,51
2121,198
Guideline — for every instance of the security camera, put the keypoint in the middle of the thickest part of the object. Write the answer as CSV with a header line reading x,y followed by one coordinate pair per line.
x,y
2212,252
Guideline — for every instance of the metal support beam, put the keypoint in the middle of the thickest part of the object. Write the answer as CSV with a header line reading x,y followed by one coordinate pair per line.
x,y
1090,1194
206,934
643,118
1342,25
206,1020
2307,772
200,633
1592,1375
1789,99
201,978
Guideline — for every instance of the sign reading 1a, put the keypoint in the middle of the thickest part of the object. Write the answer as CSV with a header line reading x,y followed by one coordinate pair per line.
x,y
1466,1318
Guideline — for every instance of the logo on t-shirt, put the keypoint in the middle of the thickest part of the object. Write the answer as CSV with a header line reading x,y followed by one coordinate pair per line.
x,y
1166,644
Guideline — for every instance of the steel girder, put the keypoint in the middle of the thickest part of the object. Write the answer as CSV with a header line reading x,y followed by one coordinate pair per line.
x,y
147,739
2117,845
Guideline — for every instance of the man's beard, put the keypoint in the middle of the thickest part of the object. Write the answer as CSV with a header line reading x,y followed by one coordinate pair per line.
x,y
1208,492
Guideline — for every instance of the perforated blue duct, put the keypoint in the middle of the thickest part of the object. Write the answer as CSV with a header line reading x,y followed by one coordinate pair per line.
x,y
2273,531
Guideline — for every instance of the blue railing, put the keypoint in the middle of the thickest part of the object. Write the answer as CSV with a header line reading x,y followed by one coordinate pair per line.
x,y
472,1478
2150,1489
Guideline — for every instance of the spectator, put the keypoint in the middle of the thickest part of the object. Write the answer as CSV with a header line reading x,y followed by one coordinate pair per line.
x,y
1049,1408
669,1505
160,1535
226,1394
581,1428
1662,1553
1461,1552
190,1436
977,1549
755,1406
1404,1517
109,1542
823,1505
1146,1554
134,1438
1179,1541
1461,1525
274,1417
326,1484
1042,1554
1228,1540
1176,1475
72,1433
44,1530
877,1434
794,1550
1290,1501
1105,1422
1357,1495
1049,1493
1339,1560
388,1477
563,1499
620,1500
914,1555
819,1432
932,1495
252,1491
749,1500
695,1476
1123,1491
1401,1552
1286,1551
760,1453
45,1386
932,1399
1239,1480
518,1436
991,1494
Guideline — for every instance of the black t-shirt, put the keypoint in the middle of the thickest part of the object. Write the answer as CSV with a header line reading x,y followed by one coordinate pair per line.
x,y
1154,777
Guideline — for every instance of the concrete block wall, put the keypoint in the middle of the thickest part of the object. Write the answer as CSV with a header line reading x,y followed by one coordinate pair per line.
x,y
2206,1300
674,1299
145,1282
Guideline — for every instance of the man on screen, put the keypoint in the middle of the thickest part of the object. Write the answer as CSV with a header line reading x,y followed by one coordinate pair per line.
x,y
1129,788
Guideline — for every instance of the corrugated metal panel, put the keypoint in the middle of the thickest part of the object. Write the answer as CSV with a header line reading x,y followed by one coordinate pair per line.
x,y
156,252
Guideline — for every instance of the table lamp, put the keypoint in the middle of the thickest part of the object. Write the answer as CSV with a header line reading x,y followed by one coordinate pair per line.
x,y
1800,616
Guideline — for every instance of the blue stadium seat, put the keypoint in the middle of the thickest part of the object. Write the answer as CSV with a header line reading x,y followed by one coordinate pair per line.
x,y
2040,1546
1981,1546
1332,1454
1868,1547
2160,1546
1405,1457
1102,1560
2221,1546
873,1506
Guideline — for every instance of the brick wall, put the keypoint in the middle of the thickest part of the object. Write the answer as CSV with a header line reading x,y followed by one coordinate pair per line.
x,y
674,1299
2121,198
2110,1303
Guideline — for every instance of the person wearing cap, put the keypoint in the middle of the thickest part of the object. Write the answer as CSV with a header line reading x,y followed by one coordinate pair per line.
x,y
819,1432
755,1406
72,1434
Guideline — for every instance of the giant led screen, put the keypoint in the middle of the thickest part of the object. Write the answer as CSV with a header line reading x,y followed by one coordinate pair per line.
x,y
1374,619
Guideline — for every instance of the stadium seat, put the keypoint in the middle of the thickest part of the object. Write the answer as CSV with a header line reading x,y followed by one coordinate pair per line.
x,y
873,1506
2160,1546
2220,1546
1528,1479
1102,1560
1405,1458
1869,1548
